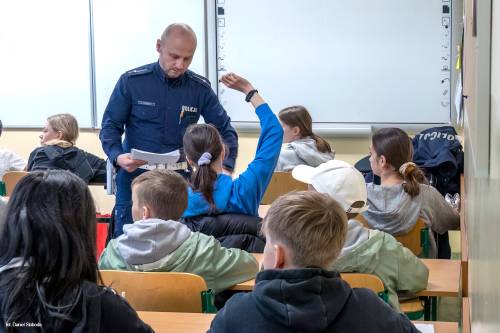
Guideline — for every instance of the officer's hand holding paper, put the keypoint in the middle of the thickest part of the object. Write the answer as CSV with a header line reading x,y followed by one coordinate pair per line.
x,y
126,162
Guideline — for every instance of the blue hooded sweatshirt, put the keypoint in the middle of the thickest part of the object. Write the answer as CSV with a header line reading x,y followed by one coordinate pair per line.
x,y
243,195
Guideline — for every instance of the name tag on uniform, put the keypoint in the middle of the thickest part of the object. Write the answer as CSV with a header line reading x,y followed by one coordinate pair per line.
x,y
146,103
186,108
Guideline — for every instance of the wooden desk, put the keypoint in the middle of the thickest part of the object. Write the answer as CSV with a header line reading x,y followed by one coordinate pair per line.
x,y
444,278
466,315
464,241
178,322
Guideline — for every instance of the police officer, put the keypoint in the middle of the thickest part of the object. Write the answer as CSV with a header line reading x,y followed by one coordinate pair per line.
x,y
153,105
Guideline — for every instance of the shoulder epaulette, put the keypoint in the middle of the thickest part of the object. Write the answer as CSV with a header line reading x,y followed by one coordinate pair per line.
x,y
139,71
200,79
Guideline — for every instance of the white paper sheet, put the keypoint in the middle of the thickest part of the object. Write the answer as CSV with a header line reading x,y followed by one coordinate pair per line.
x,y
155,159
425,328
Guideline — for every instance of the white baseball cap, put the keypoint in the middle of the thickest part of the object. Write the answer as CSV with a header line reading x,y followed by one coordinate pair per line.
x,y
338,179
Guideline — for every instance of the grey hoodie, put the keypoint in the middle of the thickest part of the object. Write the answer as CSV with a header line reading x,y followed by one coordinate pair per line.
x,y
392,210
356,235
150,240
302,151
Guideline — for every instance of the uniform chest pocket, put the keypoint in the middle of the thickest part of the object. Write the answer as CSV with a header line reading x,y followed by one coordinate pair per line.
x,y
189,118
145,112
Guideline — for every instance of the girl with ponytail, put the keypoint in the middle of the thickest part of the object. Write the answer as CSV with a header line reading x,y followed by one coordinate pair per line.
x,y
302,145
212,191
403,196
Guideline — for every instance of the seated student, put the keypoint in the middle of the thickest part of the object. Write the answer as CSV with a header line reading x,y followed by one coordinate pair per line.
x,y
395,205
213,192
58,151
9,161
157,242
365,251
305,232
48,271
302,146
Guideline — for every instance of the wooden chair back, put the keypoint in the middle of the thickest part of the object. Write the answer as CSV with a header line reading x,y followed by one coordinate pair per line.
x,y
413,239
11,178
158,291
361,280
281,183
416,240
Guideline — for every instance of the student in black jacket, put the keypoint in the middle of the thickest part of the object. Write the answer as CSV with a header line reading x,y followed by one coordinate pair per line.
x,y
305,232
58,151
48,268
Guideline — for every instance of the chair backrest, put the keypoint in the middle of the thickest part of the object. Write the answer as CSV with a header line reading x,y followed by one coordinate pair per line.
x,y
361,280
370,281
11,178
158,291
281,183
416,240
361,219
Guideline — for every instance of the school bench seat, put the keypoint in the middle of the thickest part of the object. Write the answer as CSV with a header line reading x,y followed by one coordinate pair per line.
x,y
160,291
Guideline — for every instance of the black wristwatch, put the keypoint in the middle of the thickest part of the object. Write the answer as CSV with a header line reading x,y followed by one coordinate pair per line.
x,y
250,95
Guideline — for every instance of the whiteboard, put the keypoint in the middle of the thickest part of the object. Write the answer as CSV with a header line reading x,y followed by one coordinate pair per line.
x,y
356,61
45,61
125,34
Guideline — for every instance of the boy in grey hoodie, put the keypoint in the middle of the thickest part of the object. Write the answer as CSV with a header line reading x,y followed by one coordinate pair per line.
x,y
156,242
365,250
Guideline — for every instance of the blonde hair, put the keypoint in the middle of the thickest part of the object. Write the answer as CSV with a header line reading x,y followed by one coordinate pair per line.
x,y
163,191
66,124
310,224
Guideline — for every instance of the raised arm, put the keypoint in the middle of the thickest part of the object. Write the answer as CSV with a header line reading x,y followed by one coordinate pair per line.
x,y
249,187
213,113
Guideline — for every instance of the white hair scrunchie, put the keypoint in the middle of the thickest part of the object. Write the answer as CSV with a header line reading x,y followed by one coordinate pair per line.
x,y
205,159
404,166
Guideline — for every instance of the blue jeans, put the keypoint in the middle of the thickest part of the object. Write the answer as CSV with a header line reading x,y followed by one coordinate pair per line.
x,y
123,204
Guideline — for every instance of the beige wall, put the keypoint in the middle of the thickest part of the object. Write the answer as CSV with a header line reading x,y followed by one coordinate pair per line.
x,y
483,191
495,94
24,141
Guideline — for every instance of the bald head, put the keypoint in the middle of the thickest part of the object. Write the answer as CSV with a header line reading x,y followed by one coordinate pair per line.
x,y
178,30
176,49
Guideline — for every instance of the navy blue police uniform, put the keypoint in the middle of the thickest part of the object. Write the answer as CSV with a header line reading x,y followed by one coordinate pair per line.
x,y
154,111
